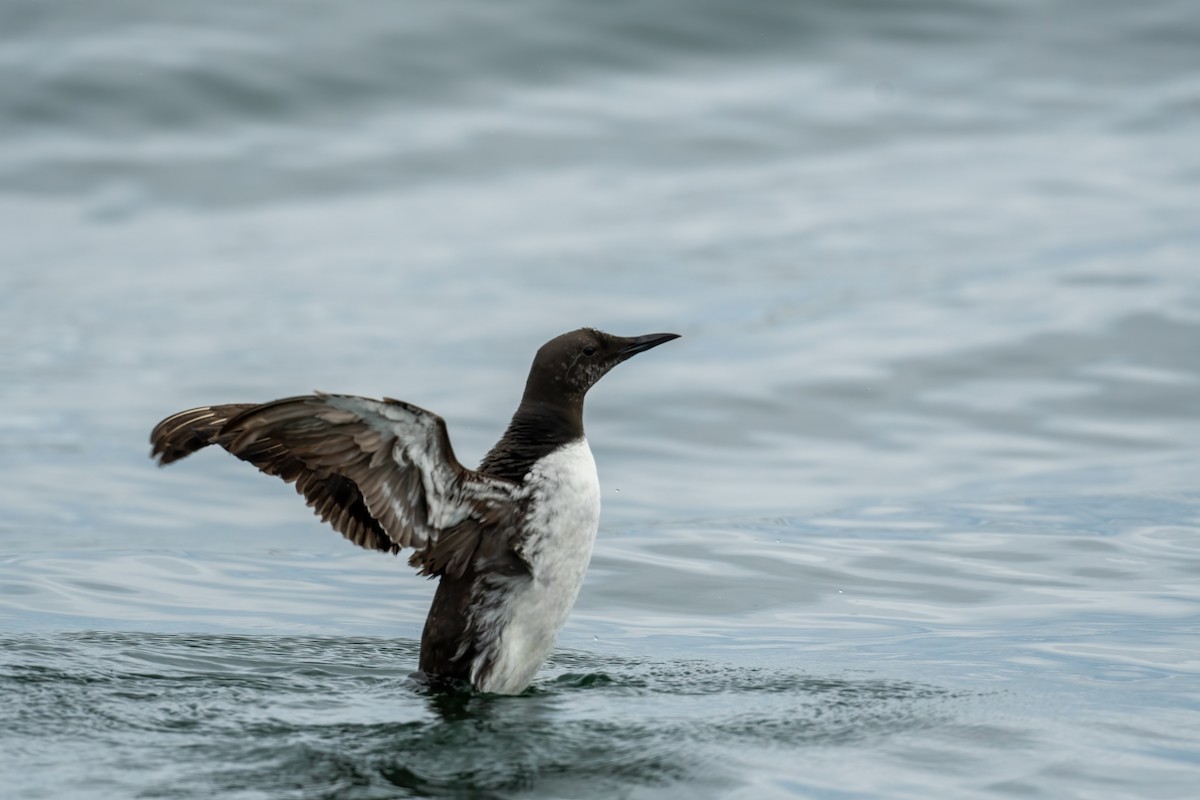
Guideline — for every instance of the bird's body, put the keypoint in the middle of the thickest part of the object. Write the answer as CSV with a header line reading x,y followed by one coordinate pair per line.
x,y
514,618
510,542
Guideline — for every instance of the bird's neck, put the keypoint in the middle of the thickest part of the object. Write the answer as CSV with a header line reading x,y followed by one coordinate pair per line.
x,y
537,429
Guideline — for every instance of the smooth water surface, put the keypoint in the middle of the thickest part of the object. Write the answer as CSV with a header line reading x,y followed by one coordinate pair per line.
x,y
910,511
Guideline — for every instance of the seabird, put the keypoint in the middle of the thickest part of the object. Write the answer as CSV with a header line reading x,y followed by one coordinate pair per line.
x,y
509,541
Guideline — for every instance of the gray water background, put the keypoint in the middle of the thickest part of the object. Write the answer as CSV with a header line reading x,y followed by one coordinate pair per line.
x,y
910,511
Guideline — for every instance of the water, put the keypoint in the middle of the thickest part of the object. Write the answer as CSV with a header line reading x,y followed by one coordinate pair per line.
x,y
911,510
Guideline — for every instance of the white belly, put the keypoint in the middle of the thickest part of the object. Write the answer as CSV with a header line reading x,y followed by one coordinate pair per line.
x,y
562,517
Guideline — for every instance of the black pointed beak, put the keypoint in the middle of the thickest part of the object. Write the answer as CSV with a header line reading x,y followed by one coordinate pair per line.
x,y
632,345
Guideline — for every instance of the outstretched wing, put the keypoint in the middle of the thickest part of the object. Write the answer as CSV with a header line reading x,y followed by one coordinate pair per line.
x,y
333,497
381,472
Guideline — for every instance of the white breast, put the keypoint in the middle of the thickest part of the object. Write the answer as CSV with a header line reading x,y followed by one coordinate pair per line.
x,y
562,517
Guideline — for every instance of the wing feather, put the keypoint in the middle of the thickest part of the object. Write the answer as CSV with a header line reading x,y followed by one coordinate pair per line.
x,y
381,472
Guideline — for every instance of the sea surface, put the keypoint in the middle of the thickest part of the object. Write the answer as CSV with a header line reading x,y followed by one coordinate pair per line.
x,y
911,510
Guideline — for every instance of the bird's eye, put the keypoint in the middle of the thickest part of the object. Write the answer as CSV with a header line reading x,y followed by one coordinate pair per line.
x,y
589,351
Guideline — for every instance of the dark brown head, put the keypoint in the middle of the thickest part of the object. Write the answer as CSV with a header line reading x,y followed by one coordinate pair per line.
x,y
567,366
551,411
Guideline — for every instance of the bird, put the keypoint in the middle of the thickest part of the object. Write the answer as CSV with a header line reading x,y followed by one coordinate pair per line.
x,y
509,542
